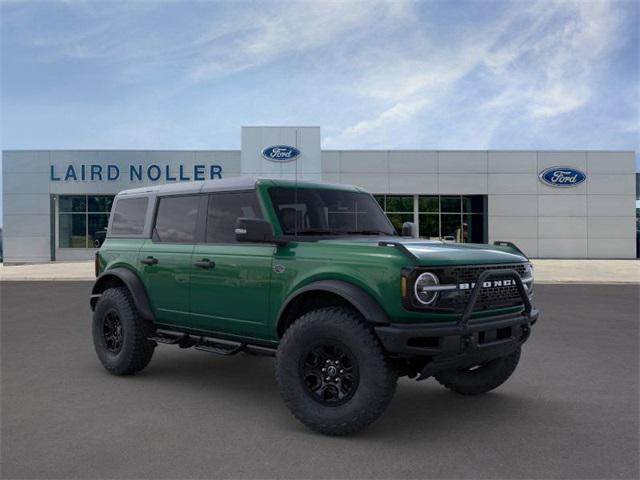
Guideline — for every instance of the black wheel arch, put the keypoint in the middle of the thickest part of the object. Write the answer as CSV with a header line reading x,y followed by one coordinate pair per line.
x,y
121,276
335,291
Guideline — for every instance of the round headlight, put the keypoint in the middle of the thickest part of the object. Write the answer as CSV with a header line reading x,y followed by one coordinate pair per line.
x,y
423,293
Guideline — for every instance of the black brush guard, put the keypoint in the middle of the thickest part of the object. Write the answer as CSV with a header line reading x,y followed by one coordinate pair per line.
x,y
467,342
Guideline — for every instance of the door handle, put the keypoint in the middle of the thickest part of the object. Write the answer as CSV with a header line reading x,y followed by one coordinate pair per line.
x,y
205,263
149,261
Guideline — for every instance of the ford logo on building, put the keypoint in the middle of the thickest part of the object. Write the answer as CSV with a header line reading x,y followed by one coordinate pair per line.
x,y
562,177
281,153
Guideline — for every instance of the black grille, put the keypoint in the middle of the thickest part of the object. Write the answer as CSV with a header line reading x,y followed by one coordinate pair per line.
x,y
490,297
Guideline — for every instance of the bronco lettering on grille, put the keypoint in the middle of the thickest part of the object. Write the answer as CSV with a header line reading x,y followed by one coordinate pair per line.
x,y
487,284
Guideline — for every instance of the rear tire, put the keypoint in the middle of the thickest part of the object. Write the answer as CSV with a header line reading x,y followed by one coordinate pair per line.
x,y
481,379
357,383
119,334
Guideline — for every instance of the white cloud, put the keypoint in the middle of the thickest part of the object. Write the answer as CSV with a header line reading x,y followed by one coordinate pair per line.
x,y
540,60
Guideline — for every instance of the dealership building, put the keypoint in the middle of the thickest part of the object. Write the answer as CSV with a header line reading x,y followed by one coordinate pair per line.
x,y
551,204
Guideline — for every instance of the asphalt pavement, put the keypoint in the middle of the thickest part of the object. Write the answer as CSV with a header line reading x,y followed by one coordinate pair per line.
x,y
569,411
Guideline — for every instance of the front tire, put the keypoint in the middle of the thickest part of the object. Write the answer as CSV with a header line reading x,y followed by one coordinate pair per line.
x,y
119,334
482,378
333,373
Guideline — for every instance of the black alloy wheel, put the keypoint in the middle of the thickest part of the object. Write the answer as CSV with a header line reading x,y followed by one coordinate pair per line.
x,y
330,373
112,331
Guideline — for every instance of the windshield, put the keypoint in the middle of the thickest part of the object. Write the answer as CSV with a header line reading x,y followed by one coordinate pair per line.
x,y
316,211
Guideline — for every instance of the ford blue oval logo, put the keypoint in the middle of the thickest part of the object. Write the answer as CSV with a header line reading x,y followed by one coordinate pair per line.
x,y
281,153
562,176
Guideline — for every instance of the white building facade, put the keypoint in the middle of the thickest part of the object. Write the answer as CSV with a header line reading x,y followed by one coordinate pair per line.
x,y
552,204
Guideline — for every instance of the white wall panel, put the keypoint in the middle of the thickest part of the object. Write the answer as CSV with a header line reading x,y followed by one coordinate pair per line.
x,y
513,183
600,184
612,248
562,227
562,159
330,162
413,183
513,205
513,162
611,205
364,162
26,249
25,183
462,183
611,162
612,227
513,227
462,162
26,225
562,205
562,247
32,161
26,204
407,161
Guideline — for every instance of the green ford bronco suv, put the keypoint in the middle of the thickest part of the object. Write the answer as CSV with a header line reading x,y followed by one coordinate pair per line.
x,y
316,275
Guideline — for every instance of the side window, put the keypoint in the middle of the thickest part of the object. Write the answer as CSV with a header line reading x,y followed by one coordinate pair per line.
x,y
176,219
224,210
129,215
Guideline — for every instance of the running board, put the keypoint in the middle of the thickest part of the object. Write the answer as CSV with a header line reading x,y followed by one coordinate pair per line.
x,y
219,346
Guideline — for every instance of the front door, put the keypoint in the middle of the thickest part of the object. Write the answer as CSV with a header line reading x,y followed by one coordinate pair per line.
x,y
165,259
230,281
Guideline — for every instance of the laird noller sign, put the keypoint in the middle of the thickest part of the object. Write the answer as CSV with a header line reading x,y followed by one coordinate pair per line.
x,y
134,172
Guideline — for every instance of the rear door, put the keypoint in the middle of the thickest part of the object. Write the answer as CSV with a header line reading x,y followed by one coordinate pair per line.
x,y
165,259
230,281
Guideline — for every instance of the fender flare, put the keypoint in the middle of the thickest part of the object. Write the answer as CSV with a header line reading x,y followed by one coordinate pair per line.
x,y
356,296
132,282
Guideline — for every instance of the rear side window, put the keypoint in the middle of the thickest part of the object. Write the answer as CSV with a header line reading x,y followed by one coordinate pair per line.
x,y
176,219
129,215
224,210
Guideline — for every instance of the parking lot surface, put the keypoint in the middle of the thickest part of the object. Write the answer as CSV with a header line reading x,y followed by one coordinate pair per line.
x,y
569,411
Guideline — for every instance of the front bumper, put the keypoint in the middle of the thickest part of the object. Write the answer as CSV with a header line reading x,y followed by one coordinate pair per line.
x,y
452,345
468,342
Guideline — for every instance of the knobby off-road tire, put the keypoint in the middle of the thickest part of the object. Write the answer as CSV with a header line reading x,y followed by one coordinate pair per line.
x,y
481,379
119,334
361,383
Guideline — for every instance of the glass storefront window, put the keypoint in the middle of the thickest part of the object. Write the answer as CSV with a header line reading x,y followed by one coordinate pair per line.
x,y
101,203
73,203
429,226
380,200
73,230
83,220
474,204
450,204
452,218
397,219
428,204
399,204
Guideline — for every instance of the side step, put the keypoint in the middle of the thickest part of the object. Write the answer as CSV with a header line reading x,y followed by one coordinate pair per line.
x,y
219,346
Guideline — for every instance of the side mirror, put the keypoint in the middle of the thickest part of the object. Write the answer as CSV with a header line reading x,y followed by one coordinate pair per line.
x,y
254,230
408,229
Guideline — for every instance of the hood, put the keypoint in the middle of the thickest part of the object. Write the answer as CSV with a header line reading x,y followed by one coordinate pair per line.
x,y
436,253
